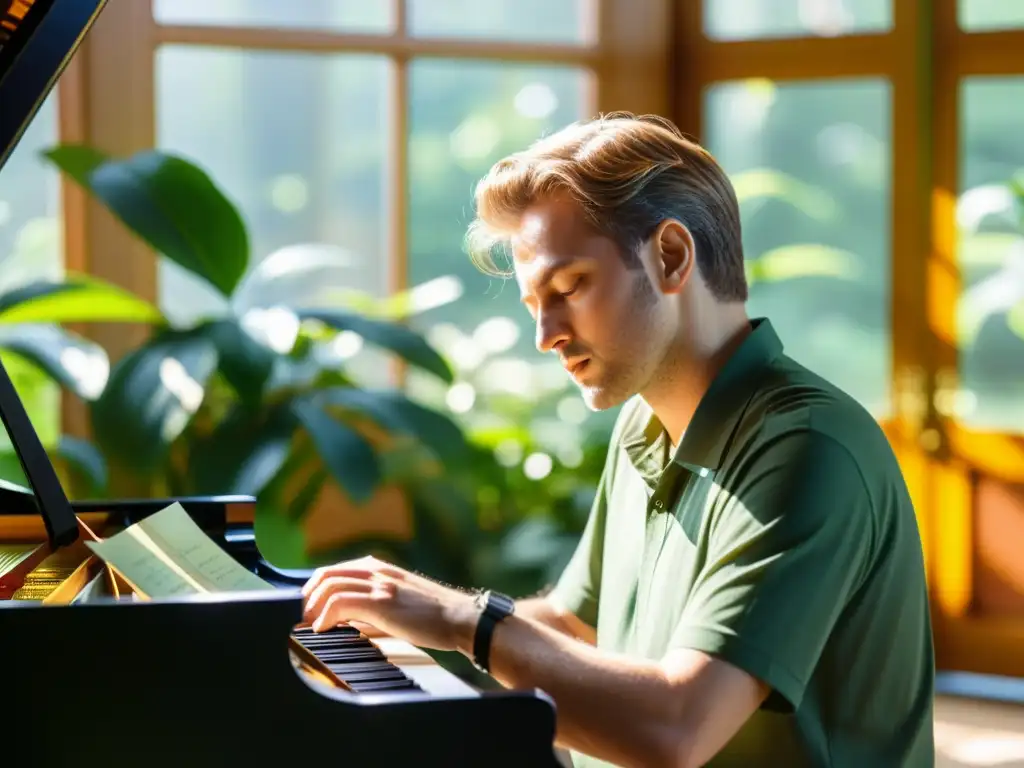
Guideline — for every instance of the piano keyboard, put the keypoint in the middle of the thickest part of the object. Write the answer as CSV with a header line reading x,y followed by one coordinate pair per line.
x,y
381,665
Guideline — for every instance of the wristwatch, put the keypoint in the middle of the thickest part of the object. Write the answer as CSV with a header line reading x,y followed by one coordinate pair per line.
x,y
494,608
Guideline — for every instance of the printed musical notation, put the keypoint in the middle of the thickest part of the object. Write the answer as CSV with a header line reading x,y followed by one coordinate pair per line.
x,y
167,554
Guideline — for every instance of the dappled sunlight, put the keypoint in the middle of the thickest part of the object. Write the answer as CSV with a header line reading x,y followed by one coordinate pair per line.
x,y
289,193
346,345
430,295
461,397
90,371
572,409
497,335
537,466
536,101
276,327
474,139
188,393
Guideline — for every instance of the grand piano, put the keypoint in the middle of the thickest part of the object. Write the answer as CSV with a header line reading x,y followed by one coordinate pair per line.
x,y
90,675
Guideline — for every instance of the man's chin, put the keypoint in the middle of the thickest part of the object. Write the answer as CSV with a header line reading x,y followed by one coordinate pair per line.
x,y
599,398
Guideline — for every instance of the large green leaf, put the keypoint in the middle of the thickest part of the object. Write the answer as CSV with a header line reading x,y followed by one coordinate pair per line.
x,y
244,362
399,414
76,300
348,456
171,204
152,396
243,454
395,337
77,364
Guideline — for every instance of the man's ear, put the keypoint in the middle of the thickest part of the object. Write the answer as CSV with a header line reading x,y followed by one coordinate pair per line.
x,y
674,255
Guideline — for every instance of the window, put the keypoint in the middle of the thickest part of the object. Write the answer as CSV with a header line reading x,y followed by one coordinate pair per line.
x,y
303,141
759,19
990,254
809,161
874,145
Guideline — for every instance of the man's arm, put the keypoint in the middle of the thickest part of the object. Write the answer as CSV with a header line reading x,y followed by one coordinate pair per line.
x,y
677,712
544,610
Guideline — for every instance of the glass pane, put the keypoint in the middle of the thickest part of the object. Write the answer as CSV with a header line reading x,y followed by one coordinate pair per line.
x,y
977,15
298,143
462,119
31,248
341,15
810,163
991,255
753,19
548,21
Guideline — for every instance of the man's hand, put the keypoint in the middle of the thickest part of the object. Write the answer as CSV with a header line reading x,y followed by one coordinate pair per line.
x,y
393,600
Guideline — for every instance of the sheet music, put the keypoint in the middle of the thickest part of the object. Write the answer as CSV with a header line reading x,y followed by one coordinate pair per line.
x,y
167,554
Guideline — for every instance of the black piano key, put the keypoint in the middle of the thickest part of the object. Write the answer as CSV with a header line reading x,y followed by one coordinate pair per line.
x,y
388,685
360,667
355,660
343,657
380,675
336,642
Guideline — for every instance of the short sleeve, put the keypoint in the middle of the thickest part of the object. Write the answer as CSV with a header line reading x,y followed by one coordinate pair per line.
x,y
579,585
790,542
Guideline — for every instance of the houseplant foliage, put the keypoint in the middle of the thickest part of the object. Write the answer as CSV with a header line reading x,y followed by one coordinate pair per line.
x,y
32,340
251,400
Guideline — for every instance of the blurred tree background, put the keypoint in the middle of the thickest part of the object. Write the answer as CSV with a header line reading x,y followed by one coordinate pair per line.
x,y
299,143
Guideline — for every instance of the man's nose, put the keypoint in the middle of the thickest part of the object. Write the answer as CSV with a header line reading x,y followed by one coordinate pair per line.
x,y
552,330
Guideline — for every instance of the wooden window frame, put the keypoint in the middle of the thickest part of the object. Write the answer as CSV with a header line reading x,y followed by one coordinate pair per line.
x,y
924,56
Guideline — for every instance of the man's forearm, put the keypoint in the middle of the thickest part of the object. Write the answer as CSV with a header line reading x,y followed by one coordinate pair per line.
x,y
592,691
542,610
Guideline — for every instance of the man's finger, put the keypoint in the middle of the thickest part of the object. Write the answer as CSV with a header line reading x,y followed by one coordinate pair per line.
x,y
369,564
333,585
355,569
341,607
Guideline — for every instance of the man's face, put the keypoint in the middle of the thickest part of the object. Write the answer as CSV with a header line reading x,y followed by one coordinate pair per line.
x,y
609,324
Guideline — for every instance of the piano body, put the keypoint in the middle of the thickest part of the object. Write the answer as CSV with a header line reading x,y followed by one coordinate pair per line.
x,y
93,676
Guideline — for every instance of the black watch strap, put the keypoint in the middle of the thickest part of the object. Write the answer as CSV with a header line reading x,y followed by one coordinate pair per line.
x,y
496,607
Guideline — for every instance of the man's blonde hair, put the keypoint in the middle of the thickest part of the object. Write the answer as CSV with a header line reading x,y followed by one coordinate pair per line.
x,y
627,174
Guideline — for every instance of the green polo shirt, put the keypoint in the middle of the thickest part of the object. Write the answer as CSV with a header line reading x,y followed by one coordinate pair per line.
x,y
779,536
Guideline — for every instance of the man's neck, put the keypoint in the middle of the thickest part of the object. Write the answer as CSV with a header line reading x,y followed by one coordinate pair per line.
x,y
688,373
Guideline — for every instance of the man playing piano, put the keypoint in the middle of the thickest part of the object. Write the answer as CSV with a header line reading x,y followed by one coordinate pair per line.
x,y
749,589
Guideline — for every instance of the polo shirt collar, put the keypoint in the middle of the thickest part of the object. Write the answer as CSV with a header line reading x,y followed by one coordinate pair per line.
x,y
706,439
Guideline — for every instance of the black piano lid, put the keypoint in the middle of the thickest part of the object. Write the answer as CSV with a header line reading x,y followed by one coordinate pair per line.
x,y
35,46
37,39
